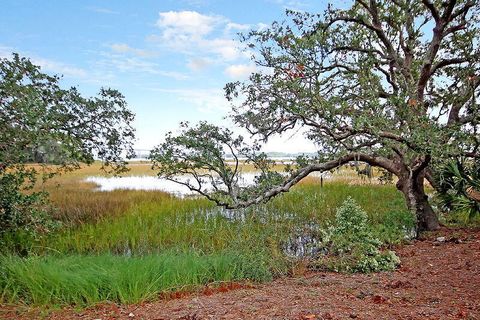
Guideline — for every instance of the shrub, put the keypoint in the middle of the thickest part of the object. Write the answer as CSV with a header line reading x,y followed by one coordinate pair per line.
x,y
40,121
459,187
24,215
351,244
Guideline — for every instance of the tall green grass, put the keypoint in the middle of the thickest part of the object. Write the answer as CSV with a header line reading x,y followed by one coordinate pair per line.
x,y
85,280
313,202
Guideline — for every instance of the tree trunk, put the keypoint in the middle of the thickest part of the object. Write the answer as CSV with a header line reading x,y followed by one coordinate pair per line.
x,y
417,202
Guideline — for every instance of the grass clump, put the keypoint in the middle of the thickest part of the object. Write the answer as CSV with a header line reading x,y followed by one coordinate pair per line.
x,y
84,280
351,244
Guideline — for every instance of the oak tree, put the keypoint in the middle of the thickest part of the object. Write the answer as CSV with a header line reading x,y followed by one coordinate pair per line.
x,y
40,119
394,84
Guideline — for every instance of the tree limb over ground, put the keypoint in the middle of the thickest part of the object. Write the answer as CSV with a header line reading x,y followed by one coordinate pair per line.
x,y
391,83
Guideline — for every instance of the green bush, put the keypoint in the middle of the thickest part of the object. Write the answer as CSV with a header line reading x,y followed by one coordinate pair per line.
x,y
458,187
351,244
24,215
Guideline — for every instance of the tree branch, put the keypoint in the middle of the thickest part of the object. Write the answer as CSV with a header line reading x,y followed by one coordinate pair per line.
x,y
447,62
303,172
431,7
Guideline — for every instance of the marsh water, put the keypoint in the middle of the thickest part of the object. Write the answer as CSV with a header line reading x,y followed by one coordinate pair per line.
x,y
303,241
162,184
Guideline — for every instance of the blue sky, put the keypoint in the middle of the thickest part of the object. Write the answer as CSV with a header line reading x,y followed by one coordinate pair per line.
x,y
170,59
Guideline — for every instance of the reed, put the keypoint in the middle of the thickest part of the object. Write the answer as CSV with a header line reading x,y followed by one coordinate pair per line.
x,y
128,246
85,280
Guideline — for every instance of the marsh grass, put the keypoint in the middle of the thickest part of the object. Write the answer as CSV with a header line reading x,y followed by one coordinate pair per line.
x,y
161,222
76,207
128,246
77,202
85,280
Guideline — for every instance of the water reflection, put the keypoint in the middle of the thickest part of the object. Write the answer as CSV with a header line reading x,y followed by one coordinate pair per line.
x,y
161,184
156,183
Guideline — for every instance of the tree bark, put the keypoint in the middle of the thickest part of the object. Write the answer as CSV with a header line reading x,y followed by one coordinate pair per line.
x,y
417,201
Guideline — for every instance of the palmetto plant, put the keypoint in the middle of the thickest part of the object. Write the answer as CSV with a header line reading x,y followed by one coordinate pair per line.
x,y
459,187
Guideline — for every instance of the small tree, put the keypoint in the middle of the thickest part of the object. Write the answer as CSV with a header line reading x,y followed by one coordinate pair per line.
x,y
351,244
41,120
394,84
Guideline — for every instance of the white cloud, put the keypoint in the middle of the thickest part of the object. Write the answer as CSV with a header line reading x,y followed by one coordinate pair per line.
x,y
6,52
193,33
262,26
61,68
227,49
186,23
236,26
137,65
194,3
204,100
240,71
198,64
297,5
47,64
125,48
120,47
102,10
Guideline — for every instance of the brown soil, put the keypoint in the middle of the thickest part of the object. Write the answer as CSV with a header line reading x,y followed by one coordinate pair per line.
x,y
437,280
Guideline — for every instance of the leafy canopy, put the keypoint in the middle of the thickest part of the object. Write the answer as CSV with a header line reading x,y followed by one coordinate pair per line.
x,y
391,83
41,120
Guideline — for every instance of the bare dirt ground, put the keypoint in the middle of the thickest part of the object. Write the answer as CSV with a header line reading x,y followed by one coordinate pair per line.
x,y
437,280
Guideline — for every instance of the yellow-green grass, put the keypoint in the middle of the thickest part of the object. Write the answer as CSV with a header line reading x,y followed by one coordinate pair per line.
x,y
129,246
149,221
76,201
169,244
144,168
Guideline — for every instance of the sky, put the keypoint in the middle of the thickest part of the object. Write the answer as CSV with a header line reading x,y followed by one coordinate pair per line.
x,y
170,59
